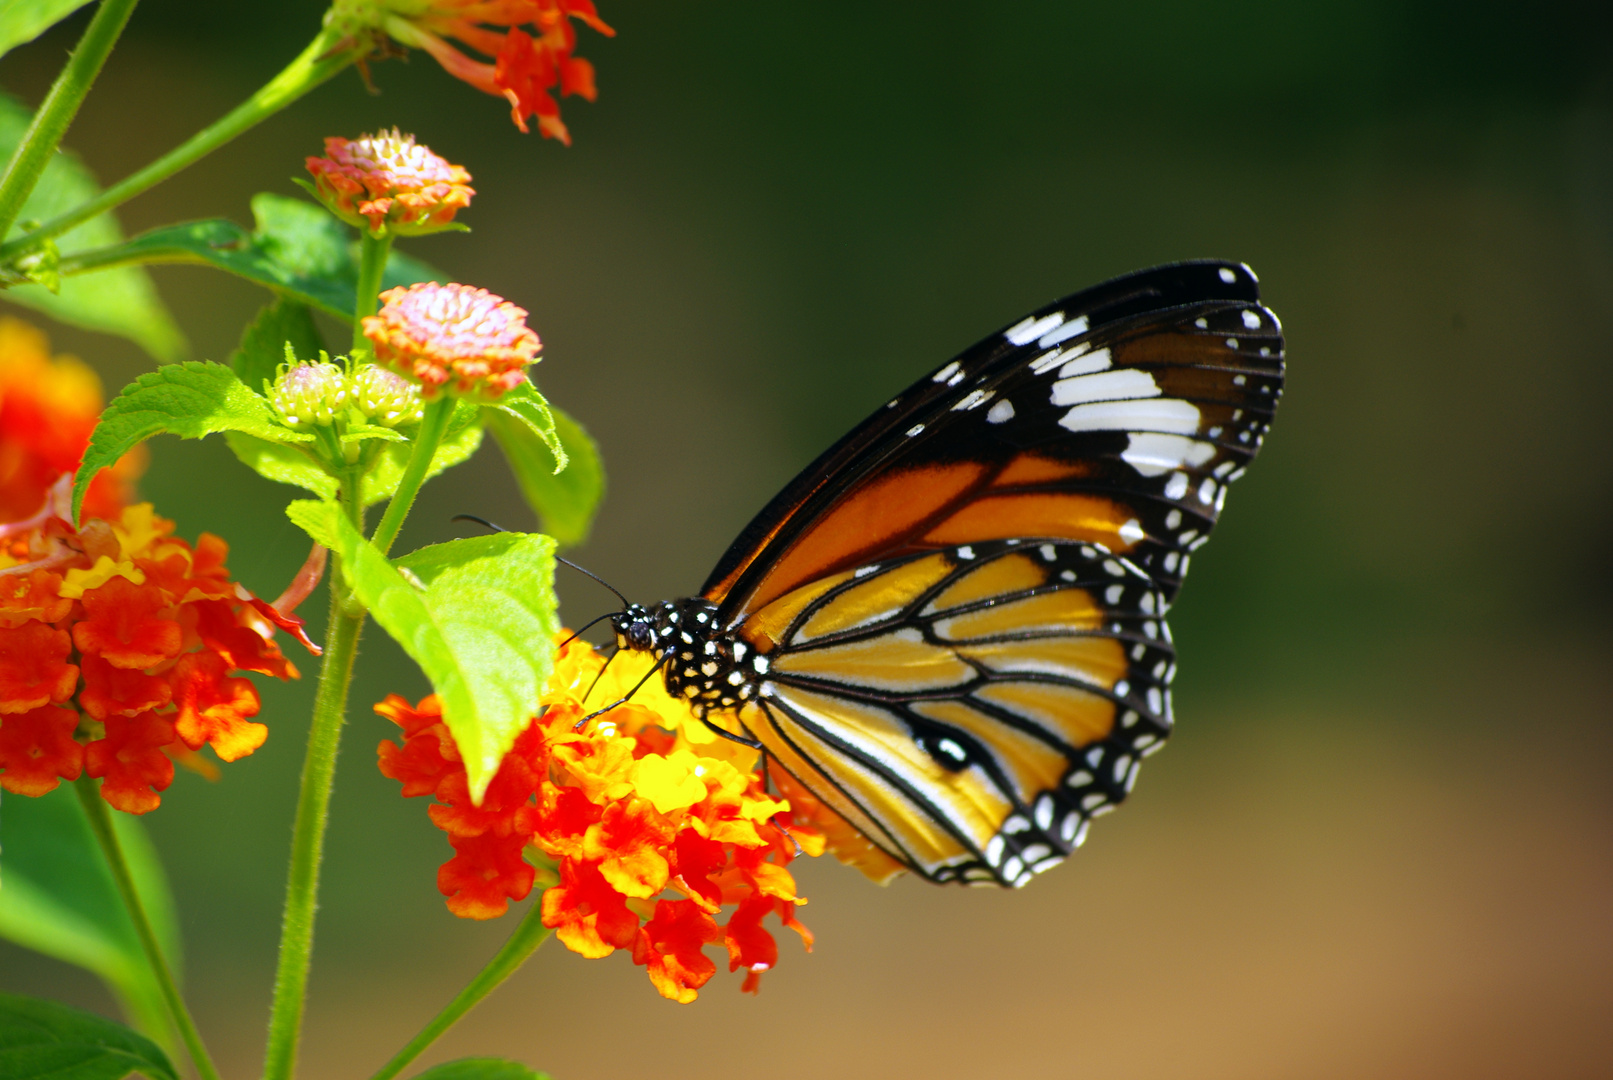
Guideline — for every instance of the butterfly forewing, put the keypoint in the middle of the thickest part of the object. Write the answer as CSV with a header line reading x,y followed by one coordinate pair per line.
x,y
970,709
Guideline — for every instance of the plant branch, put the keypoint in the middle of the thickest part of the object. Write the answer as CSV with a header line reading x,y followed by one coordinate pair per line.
x,y
326,55
308,831
56,113
100,818
373,251
529,934
432,427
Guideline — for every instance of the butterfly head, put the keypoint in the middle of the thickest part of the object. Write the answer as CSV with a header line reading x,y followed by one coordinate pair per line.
x,y
635,628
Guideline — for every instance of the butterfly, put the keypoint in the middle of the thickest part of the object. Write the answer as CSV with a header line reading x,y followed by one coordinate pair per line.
x,y
949,629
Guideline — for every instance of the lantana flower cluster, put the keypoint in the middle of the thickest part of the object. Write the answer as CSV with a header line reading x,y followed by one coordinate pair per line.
x,y
532,43
388,182
655,823
120,644
453,339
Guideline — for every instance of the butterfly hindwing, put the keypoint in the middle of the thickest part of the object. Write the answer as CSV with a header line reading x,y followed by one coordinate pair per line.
x,y
971,709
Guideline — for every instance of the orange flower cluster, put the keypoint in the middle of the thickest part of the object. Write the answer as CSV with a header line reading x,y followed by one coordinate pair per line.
x,y
387,180
458,338
656,824
527,66
48,407
118,620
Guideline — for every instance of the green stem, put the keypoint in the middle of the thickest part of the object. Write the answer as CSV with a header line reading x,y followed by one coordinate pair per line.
x,y
372,253
326,55
527,937
308,831
50,123
100,817
426,441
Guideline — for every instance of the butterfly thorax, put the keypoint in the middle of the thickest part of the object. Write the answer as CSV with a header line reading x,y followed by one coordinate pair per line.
x,y
701,663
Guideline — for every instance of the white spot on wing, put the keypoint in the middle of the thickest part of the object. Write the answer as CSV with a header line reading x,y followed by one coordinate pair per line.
x,y
1106,386
1228,276
914,430
1000,413
1251,320
1029,329
945,373
1132,531
1167,415
1064,333
1153,454
1086,364
1176,487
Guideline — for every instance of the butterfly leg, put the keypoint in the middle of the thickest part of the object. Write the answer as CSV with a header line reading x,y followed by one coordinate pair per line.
x,y
730,736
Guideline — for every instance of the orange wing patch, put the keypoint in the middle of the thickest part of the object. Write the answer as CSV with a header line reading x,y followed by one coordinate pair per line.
x,y
1031,468
898,661
881,598
1053,612
767,627
1087,518
999,577
1075,717
1031,763
1100,659
871,520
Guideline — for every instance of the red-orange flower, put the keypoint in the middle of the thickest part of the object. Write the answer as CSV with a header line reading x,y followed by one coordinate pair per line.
x,y
453,337
130,761
526,66
37,750
389,182
655,824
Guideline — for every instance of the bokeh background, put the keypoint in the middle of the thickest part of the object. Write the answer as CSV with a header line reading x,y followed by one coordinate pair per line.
x,y
1379,843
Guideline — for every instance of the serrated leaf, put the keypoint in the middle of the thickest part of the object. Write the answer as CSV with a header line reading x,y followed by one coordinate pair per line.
x,y
44,1040
481,1069
531,408
282,464
121,300
23,20
481,624
190,400
263,342
565,501
57,897
460,441
297,249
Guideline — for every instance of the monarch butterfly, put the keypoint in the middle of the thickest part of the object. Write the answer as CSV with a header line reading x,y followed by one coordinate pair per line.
x,y
949,629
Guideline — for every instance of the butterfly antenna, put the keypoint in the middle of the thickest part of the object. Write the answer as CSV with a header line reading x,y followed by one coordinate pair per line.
x,y
630,693
595,576
581,570
585,626
601,675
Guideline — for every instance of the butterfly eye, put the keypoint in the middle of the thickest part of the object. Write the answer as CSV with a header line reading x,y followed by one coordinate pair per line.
x,y
639,634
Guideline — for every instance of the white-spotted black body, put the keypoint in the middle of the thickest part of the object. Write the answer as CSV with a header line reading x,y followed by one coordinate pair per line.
x,y
699,662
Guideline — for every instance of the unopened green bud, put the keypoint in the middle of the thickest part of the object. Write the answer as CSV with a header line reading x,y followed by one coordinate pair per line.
x,y
387,399
309,393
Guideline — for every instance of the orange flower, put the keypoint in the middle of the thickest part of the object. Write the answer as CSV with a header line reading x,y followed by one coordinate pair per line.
x,y
37,750
388,182
526,66
48,407
130,761
656,825
454,337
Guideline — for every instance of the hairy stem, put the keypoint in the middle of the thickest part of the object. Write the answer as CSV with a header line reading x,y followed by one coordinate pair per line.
x,y
372,253
529,934
56,113
100,818
326,55
313,809
432,427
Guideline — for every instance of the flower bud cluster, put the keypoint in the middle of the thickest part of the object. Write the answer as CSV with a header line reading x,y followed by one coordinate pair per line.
x,y
321,392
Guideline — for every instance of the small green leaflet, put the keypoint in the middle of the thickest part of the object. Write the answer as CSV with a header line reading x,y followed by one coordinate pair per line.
x,y
190,400
42,1040
23,20
121,301
297,249
478,615
531,408
481,1069
565,501
57,897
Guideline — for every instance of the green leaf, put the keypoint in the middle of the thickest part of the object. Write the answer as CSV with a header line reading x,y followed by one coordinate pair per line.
x,y
58,898
190,400
481,1069
263,342
282,464
525,404
23,20
43,1040
297,249
478,615
460,441
565,500
121,301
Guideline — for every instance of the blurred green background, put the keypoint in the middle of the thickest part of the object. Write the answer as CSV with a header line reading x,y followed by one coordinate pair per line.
x,y
1380,841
